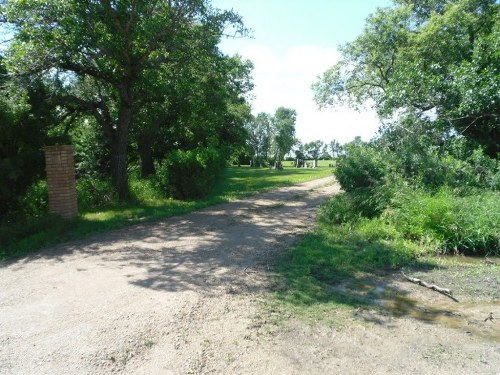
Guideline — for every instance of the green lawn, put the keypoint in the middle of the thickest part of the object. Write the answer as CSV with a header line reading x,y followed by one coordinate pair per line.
x,y
17,239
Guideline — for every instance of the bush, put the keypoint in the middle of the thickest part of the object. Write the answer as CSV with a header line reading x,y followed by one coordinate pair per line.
x,y
468,225
363,167
21,157
190,174
475,171
146,189
35,202
94,192
340,209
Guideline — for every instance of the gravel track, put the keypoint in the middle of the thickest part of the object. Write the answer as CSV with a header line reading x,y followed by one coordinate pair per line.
x,y
184,296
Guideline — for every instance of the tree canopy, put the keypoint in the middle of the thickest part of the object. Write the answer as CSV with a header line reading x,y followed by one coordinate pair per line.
x,y
270,138
116,61
284,129
429,59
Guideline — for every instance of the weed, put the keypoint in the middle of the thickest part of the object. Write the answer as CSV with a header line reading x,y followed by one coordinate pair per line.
x,y
148,343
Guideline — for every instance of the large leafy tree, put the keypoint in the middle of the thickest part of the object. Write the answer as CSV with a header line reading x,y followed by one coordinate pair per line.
x,y
313,149
428,59
335,148
259,137
108,58
205,106
284,131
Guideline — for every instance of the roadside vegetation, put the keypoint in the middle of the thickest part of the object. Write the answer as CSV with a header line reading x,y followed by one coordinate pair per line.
x,y
33,227
428,185
153,109
386,221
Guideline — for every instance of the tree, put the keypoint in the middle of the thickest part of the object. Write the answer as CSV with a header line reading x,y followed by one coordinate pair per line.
x,y
119,51
313,149
259,137
25,117
284,131
432,59
335,148
206,107
324,153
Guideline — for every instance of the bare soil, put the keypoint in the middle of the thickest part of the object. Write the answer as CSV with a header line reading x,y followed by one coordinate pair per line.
x,y
185,296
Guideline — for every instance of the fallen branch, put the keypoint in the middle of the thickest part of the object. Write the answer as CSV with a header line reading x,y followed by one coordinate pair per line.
x,y
447,292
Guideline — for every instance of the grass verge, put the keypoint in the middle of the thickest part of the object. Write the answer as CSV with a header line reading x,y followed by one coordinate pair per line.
x,y
339,269
20,238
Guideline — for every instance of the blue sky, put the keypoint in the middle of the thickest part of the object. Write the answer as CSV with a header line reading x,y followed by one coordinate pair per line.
x,y
293,42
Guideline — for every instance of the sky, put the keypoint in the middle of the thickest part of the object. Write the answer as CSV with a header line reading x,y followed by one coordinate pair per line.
x,y
293,42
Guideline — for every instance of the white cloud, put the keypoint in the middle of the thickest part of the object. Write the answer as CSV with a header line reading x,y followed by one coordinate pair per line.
x,y
284,78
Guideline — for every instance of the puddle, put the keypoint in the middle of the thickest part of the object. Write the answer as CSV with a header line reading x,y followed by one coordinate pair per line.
x,y
471,318
470,260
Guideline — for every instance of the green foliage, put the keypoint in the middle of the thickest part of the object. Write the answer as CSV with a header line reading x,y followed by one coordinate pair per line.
x,y
94,192
335,148
363,167
425,55
145,65
467,225
35,201
259,130
145,190
439,195
341,208
284,131
312,149
25,118
191,174
92,154
270,138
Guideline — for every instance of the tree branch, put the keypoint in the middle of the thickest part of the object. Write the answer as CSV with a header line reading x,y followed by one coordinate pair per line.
x,y
447,292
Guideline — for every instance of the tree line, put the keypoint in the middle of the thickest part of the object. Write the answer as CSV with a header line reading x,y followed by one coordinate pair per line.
x,y
128,82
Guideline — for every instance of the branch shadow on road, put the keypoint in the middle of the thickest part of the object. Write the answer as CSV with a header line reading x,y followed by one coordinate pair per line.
x,y
237,247
212,249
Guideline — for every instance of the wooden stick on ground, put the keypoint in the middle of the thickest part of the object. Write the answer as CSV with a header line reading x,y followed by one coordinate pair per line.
x,y
448,293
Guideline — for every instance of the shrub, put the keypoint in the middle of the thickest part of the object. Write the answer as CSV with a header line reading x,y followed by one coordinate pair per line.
x,y
35,202
94,192
475,171
340,209
190,174
363,167
145,189
468,225
365,174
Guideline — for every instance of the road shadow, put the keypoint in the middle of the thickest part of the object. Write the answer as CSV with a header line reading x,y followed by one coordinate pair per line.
x,y
224,247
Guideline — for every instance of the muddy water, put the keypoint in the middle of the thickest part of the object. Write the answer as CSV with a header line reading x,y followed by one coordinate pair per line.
x,y
478,319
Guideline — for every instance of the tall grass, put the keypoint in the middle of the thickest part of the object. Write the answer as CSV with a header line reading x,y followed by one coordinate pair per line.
x,y
468,225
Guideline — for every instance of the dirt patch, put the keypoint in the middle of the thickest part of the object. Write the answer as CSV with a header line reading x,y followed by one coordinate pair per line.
x,y
186,295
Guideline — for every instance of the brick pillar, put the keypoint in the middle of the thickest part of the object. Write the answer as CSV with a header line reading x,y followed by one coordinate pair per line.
x,y
60,166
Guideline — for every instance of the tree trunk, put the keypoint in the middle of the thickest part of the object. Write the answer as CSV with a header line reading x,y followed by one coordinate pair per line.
x,y
145,148
120,147
119,168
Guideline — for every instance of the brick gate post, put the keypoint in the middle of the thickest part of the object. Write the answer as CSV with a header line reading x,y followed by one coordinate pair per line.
x,y
60,167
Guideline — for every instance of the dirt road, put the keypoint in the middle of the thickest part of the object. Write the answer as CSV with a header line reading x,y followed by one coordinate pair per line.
x,y
184,296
